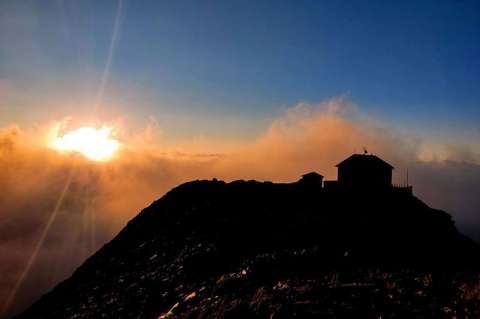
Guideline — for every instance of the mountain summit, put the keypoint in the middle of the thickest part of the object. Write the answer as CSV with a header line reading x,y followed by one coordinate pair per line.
x,y
247,249
210,249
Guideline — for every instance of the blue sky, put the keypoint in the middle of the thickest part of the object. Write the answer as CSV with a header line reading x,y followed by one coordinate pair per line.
x,y
227,67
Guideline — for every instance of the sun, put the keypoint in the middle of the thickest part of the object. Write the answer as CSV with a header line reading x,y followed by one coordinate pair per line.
x,y
94,144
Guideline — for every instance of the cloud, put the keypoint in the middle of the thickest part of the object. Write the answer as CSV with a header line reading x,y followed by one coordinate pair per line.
x,y
315,138
452,186
99,198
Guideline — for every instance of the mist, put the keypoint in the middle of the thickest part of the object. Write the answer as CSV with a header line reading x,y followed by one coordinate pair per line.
x,y
78,205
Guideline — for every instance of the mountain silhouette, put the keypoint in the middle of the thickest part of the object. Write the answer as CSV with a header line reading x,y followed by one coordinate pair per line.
x,y
249,249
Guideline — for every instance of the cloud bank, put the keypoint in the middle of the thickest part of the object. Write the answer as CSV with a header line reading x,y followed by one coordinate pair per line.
x,y
83,204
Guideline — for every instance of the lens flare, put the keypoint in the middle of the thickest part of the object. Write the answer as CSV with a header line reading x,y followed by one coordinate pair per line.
x,y
94,144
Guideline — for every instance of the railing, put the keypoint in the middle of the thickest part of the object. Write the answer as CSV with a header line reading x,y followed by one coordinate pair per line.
x,y
403,188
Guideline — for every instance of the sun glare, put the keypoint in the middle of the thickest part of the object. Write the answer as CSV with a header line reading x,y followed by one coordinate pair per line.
x,y
94,144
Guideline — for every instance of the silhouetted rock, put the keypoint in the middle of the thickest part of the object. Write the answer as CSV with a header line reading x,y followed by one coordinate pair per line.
x,y
210,249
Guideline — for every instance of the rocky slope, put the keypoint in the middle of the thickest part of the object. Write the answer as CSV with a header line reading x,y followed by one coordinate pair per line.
x,y
246,249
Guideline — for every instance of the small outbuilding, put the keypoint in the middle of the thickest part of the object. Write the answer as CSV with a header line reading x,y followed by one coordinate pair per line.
x,y
312,179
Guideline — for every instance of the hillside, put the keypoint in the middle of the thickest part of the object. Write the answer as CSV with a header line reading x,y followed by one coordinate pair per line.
x,y
246,249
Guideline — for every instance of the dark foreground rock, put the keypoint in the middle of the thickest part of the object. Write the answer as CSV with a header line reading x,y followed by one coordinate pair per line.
x,y
209,249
